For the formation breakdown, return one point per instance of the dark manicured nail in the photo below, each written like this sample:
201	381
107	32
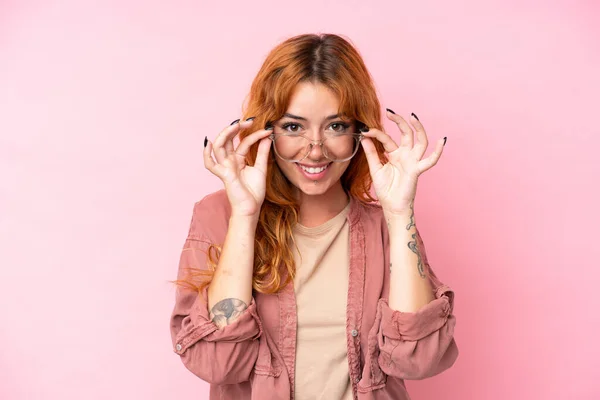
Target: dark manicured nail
363	128
445	140
250	119
235	122
205	141
415	115
269	126
390	110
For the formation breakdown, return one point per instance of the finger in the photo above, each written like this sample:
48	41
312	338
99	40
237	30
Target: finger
262	156
388	143
433	158
406	132
371	154
422	141
228	140
229	143
209	163
248	141
222	148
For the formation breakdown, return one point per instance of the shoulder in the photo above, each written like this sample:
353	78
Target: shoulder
210	217
371	217
371	212
372	209
215	202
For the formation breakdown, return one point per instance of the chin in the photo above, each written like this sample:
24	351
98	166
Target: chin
310	189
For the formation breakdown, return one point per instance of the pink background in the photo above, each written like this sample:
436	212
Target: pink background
103	109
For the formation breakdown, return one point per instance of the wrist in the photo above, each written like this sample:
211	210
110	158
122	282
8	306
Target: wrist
399	223
400	213
244	219
398	216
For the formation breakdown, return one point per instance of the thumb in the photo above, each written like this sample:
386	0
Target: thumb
371	154
262	155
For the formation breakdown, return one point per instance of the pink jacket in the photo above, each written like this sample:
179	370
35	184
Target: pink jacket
254	357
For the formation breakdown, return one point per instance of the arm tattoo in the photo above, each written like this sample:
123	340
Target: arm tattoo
415	249
413	244
412	216
226	311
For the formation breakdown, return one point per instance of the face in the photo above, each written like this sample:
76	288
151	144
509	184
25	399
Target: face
313	103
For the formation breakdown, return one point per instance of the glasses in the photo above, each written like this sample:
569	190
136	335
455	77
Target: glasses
340	141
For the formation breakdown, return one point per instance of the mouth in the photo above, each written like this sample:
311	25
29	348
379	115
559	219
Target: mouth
313	172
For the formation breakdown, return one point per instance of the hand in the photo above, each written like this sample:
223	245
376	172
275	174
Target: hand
245	185
395	182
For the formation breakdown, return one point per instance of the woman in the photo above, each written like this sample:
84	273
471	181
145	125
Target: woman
293	281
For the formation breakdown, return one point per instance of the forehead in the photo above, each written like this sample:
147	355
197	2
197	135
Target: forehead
313	100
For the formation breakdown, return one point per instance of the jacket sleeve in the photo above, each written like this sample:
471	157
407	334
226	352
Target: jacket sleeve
218	356
421	344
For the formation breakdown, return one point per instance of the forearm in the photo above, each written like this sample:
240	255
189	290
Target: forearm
230	290
410	288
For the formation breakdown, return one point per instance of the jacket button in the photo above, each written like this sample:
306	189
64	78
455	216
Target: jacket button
354	333
178	347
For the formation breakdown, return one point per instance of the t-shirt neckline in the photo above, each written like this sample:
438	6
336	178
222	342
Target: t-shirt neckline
315	230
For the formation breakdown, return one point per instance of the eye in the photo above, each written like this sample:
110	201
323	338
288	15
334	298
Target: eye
339	127
294	127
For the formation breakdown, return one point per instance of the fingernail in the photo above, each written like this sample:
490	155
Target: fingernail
235	122
363	128
205	141
415	115
445	137
269	126
250	119
390	110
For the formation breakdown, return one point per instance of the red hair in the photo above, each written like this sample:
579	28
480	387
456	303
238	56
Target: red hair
327	59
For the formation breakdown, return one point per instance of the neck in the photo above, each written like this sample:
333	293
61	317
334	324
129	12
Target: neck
316	210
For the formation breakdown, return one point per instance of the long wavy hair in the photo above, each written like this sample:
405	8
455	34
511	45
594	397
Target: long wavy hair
334	62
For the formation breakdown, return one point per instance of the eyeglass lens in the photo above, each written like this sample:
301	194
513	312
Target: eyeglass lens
295	146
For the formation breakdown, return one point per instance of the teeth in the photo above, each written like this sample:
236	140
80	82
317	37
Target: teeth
314	170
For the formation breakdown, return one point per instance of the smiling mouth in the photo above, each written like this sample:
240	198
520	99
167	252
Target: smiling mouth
314	170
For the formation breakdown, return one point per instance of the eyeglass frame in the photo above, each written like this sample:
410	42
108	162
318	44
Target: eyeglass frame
360	136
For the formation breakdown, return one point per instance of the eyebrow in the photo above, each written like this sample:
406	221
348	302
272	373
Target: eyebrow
304	119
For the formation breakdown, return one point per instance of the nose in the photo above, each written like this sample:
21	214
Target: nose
316	151
316	135
316	147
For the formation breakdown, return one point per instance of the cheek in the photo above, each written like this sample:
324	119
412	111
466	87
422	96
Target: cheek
340	168
285	167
